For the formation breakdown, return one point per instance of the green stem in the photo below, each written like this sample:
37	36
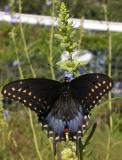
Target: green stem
21	74
108	147
109	74
21	156
34	135
16	51
29	112
80	150
51	44
109	60
51	54
16	146
24	41
26	50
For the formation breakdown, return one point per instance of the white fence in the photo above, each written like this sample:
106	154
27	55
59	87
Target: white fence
94	25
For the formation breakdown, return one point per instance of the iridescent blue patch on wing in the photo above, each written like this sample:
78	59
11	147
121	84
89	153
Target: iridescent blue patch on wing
74	123
58	125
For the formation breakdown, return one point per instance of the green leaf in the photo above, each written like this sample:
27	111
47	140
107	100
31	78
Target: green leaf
69	65
112	99
90	135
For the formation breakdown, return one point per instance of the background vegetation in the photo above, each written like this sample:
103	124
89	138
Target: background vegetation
16	138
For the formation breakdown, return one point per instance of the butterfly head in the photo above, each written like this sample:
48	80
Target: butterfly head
66	79
66	88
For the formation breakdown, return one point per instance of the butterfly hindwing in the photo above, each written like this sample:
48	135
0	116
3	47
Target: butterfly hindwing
90	88
36	93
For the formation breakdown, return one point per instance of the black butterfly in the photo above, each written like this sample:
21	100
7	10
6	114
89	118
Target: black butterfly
62	108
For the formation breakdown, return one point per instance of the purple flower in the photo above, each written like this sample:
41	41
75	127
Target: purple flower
13	19
68	74
7	9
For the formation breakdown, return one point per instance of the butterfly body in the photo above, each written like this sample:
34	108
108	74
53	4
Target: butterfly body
62	108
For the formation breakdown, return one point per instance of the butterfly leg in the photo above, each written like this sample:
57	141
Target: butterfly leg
54	146
77	147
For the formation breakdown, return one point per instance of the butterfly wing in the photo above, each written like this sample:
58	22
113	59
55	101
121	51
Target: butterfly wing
61	110
36	93
89	89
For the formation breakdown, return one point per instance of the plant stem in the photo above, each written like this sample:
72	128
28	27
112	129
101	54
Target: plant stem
108	147
29	112
80	149
16	51
51	44
51	53
34	135
24	41
21	74
109	74
109	60
26	50
16	146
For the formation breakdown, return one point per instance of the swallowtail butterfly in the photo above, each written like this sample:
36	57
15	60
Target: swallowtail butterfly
62	108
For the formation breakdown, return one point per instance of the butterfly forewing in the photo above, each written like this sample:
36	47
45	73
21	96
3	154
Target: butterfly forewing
35	93
90	88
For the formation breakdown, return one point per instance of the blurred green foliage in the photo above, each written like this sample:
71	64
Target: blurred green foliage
90	9
38	47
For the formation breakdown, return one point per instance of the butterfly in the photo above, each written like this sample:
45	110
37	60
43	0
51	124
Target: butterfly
62	107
